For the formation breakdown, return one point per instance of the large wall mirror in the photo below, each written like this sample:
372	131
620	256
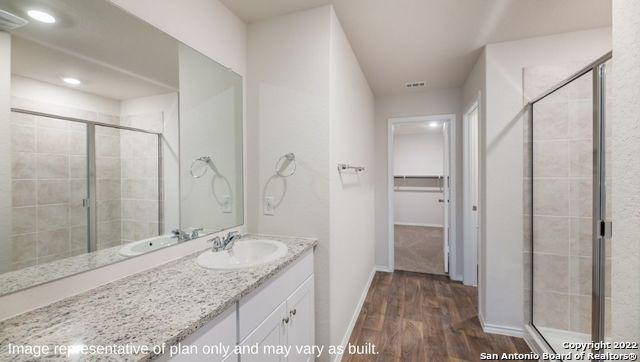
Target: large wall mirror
117	140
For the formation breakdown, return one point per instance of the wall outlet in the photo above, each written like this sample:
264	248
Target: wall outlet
269	205
226	204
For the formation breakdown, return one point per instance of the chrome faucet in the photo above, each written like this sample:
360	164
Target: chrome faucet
195	233
180	235
226	243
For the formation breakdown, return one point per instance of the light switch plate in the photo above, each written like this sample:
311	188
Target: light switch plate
226	204
269	205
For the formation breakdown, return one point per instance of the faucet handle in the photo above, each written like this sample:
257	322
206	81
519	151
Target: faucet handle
196	232
217	243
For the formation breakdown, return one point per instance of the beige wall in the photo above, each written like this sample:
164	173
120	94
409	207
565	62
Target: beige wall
626	171
413	104
501	133
351	196
288	111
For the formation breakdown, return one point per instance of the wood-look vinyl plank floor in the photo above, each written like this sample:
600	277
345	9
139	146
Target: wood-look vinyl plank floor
422	317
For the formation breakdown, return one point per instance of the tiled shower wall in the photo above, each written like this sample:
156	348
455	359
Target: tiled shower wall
140	183
49	182
562	209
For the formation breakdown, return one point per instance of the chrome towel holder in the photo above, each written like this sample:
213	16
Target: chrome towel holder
283	162
345	166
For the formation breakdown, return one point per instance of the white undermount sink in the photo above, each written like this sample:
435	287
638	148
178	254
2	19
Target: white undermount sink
244	254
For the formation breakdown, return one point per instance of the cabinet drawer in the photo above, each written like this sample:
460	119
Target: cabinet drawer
258	305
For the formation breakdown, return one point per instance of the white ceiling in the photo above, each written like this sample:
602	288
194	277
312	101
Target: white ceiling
437	41
114	54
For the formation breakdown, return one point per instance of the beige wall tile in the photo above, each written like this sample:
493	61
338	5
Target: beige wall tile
52	243
52	141
77	143
78	190
551	309
23	138
49	166
22	119
78	239
109	232
48	122
53	192
140	189
581	236
581	156
550	273
78	167
551	197
551	235
581	120
53	217
23	165
551	158
23	220
23	247
581	275
77	214
550	121
107	146
108	168
580	197
108	189
580	314
109	210
23	192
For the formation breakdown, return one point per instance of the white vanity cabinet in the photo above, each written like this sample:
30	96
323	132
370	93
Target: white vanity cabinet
279	313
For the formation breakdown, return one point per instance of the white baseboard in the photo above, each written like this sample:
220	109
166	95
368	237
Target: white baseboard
418	224
498	329
534	341
356	313
383	268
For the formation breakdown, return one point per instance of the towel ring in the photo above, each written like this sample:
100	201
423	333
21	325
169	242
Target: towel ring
205	159
284	162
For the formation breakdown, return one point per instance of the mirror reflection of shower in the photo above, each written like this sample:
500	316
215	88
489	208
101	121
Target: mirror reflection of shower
285	167
199	167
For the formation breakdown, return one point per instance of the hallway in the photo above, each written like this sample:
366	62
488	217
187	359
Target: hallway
420	317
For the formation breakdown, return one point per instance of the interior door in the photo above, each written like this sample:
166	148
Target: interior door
446	194
473	192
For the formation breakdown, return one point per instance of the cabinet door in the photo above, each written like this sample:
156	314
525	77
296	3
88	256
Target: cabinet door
301	328
271	332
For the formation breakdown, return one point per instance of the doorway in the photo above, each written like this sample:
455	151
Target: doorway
471	199
421	194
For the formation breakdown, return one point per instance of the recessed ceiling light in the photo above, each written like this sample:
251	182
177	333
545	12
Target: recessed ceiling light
41	16
434	124
72	81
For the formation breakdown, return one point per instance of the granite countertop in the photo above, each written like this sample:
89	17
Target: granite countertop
159	306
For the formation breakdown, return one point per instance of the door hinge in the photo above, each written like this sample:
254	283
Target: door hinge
605	229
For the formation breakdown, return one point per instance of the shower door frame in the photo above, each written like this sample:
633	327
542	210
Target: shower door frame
91	201
601	227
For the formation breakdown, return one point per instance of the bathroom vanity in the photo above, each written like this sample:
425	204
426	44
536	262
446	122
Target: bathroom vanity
182	304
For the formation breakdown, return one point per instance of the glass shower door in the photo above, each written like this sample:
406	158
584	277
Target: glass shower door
562	145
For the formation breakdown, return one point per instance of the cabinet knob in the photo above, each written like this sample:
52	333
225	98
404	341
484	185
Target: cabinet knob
293	312
285	320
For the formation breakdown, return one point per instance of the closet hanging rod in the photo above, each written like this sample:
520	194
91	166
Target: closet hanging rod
417	176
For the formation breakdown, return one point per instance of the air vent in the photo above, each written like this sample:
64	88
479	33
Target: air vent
9	21
415	84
